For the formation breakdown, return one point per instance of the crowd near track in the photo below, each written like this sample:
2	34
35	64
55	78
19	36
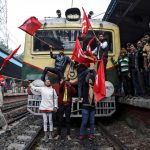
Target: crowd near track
26	131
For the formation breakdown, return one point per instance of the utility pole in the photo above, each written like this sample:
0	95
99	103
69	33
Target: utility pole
3	23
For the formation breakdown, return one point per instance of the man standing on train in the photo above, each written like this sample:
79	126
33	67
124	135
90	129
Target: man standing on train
101	49
61	61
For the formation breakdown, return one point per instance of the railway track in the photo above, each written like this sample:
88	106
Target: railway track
15	107
116	136
23	134
27	134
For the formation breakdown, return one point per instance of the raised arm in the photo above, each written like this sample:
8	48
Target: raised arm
51	53
37	89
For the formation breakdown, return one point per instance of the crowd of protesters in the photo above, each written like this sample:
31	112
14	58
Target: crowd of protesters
134	68
134	74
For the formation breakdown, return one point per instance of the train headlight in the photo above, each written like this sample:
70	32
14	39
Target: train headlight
73	14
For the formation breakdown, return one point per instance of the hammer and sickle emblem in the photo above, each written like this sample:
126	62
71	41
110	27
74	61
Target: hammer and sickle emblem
73	73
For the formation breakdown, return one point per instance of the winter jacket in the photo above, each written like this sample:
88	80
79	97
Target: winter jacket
61	61
86	103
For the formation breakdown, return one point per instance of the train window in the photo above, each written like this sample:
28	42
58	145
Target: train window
66	39
57	38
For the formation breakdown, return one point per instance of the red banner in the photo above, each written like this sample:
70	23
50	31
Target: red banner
78	54
89	50
31	25
85	23
99	85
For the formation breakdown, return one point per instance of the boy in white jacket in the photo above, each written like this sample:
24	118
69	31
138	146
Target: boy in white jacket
48	104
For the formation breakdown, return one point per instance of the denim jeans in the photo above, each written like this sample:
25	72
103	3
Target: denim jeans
87	114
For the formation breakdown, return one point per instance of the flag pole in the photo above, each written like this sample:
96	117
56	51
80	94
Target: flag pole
42	41
95	34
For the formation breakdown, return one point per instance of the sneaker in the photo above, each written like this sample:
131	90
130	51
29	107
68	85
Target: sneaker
90	136
68	138
81	137
57	137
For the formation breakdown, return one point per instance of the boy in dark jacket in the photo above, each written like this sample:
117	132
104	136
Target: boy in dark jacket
61	61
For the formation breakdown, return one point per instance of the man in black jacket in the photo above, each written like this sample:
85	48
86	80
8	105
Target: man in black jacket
88	109
61	61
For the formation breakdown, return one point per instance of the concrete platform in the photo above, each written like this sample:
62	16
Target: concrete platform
136	101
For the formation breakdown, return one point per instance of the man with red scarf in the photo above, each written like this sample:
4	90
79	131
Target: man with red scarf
66	91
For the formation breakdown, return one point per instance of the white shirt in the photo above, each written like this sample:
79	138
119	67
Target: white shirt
103	45
49	97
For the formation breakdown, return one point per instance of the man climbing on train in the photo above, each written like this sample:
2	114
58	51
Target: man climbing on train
61	61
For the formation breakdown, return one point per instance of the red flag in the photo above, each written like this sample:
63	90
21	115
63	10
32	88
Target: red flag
31	25
85	23
99	85
78	54
88	49
10	56
1	77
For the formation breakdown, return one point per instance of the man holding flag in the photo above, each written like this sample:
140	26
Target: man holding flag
101	49
88	109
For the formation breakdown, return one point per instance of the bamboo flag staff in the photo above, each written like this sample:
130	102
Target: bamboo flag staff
30	26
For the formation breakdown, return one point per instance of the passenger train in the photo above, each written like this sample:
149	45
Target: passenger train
62	32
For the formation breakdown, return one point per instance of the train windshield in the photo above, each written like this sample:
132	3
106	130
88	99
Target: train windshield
65	38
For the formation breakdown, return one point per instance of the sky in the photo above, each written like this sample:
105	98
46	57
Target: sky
20	10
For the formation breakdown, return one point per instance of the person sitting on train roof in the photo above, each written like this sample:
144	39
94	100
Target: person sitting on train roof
49	103
101	49
61	61
88	109
66	92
